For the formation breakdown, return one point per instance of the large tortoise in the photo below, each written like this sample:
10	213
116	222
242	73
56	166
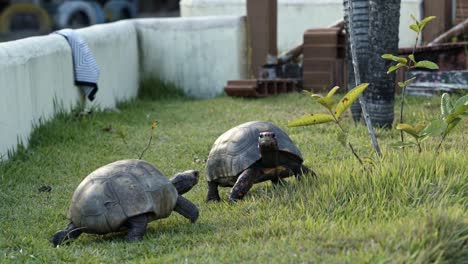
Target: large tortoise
127	194
249	153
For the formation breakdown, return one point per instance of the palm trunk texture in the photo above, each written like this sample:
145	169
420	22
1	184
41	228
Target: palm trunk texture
375	31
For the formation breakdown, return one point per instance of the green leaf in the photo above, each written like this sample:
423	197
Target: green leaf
414	27
349	98
414	19
445	105
405	83
461	101
400	144
456	112
333	91
411	57
453	124
408	129
307	93
426	64
311	119
436	128
423	22
327	102
342	137
395	67
394	58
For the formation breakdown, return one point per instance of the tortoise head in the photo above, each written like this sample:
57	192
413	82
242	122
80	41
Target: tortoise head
184	181
267	142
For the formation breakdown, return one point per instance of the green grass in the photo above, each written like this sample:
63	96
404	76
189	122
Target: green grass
411	208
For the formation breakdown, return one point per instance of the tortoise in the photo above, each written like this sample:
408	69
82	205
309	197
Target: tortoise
127	195
250	153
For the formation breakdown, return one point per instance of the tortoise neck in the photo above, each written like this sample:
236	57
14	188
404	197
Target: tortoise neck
269	157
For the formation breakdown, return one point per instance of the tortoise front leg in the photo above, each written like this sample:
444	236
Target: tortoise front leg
213	194
71	232
243	184
186	208
136	227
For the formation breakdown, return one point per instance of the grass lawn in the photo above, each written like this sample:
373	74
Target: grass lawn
410	208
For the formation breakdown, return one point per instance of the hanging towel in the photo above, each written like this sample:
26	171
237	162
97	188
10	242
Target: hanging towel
85	68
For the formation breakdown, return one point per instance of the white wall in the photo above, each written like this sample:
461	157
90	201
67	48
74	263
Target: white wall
295	16
198	55
36	71
115	47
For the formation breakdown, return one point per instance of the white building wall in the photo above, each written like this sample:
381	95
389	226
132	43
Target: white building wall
295	16
198	55
37	73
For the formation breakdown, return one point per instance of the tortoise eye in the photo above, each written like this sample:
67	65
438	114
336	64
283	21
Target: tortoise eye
273	135
260	136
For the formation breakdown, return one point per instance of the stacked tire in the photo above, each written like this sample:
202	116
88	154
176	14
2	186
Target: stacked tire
77	14
119	9
25	15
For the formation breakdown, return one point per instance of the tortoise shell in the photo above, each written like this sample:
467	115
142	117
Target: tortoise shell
237	149
107	197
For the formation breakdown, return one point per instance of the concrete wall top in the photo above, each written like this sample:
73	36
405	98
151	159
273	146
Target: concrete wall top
36	77
197	54
296	16
115	47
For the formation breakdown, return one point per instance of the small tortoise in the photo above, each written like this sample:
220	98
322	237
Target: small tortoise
250	153
127	195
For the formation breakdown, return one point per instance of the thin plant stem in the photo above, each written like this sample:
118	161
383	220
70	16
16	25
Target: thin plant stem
403	90
349	143
440	143
147	145
357	77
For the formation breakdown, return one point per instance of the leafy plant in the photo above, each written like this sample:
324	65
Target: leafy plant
451	115
122	134
417	132
333	115
409	63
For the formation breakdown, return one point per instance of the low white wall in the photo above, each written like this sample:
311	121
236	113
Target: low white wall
36	71
295	16
115	47
198	55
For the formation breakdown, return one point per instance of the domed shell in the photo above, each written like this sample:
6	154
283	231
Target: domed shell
107	197
237	149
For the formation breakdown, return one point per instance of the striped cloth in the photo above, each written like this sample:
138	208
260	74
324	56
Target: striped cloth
85	68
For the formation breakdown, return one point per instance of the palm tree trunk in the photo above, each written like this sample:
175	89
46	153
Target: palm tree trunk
360	20
383	38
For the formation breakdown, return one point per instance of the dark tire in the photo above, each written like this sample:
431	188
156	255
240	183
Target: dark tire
78	20
13	17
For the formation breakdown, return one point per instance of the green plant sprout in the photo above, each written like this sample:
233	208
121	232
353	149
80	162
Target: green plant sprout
329	102
121	133
451	115
410	63
417	132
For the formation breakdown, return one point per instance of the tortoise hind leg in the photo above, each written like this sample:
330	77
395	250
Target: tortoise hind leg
300	170
136	227
186	208
213	194
70	233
